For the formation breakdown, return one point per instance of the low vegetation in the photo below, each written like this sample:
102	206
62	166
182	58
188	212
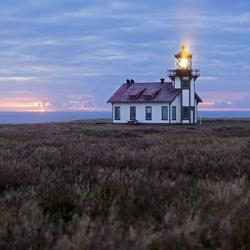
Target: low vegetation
93	185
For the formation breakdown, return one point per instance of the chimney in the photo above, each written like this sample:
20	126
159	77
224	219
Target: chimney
132	81
162	80
128	81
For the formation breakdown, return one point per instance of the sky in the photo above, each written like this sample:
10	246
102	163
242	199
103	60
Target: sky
71	55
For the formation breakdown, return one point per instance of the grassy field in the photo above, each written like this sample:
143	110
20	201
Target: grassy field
93	185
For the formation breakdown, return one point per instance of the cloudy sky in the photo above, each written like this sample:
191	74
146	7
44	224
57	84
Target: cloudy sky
73	54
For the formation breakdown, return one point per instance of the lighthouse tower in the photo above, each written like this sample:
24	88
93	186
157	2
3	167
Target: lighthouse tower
184	78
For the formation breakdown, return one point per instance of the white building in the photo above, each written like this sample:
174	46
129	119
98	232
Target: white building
161	102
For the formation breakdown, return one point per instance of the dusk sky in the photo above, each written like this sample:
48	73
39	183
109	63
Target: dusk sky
71	55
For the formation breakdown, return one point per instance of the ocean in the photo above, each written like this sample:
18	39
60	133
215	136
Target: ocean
39	117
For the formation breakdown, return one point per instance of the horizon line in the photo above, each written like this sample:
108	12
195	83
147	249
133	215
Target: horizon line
110	111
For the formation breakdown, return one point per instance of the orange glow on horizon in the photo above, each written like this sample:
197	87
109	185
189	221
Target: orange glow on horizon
35	105
25	105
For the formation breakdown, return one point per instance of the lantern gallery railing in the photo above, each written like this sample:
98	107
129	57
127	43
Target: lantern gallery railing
184	72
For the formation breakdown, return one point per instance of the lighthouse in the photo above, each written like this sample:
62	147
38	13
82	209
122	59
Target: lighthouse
184	78
160	102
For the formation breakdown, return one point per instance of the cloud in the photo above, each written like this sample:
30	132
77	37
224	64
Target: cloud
16	78
233	103
65	48
207	78
25	104
80	103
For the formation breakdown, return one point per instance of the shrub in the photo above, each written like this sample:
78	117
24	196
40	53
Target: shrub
86	186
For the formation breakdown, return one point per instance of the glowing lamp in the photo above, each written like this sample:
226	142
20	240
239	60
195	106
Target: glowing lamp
184	63
183	60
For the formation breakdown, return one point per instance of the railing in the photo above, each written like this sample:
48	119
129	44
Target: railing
184	72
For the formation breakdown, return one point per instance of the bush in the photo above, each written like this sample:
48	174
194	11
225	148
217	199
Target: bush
85	186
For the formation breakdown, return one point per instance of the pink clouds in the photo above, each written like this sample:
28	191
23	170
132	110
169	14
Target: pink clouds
226	101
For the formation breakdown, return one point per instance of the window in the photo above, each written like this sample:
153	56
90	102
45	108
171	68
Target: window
174	113
117	113
164	113
132	113
185	84
185	113
148	113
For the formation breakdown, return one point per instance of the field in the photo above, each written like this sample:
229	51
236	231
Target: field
93	185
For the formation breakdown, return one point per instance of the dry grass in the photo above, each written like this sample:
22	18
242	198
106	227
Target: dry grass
88	185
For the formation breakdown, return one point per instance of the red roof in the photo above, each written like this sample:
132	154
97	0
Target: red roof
145	92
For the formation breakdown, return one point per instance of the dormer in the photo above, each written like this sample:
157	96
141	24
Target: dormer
135	92
151	93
